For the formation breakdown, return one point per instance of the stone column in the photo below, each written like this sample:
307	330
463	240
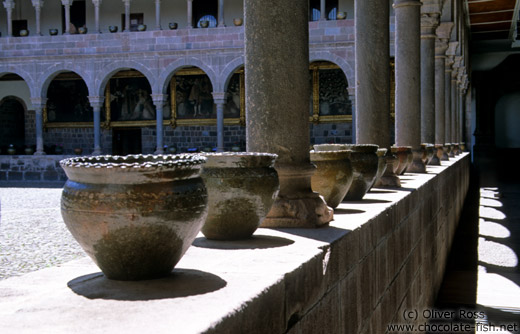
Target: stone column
96	102
407	79
323	10
220	101
157	14
373	80
454	104
67	4
38	105
221	22
282	47
158	101
96	3
429	22
447	104
38	4
441	45
9	6
189	18
127	15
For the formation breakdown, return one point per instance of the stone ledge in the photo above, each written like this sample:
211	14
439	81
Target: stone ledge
378	257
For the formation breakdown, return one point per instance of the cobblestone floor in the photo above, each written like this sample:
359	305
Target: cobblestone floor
32	233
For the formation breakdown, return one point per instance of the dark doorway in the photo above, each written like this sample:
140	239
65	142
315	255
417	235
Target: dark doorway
126	141
77	16
17	26
12	124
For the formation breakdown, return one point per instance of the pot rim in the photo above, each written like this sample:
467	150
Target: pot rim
330	147
329	155
133	161
363	148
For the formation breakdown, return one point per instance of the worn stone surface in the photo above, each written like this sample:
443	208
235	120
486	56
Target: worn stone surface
364	162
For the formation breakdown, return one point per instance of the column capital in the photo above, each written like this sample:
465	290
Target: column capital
219	97
441	45
37	3
452	48
38	102
127	2
443	31
429	23
97	2
9	4
66	2
96	101
158	99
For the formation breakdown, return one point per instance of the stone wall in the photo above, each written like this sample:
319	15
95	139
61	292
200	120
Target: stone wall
28	168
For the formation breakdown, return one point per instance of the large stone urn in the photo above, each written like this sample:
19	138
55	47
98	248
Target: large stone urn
333	175
404	156
364	162
242	187
381	165
135	215
428	153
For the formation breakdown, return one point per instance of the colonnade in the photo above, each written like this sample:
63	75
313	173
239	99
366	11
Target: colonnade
9	6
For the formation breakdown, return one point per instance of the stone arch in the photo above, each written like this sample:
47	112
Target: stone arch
341	62
108	71
49	75
29	80
169	71
228	72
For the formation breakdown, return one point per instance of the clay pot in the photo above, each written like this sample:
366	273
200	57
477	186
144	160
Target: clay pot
53	32
136	215
462	147
11	150
78	150
341	15
24	32
141	27
237	22
29	151
242	188
112	29
428	151
381	164
204	24
364	162
404	158
82	30
333	176
172	25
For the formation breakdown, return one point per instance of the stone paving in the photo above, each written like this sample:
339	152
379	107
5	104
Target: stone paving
32	233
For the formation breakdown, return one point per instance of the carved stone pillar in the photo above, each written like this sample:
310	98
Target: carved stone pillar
38	4
127	15
221	22
189	18
455	99
38	105
429	22
284	133
323	10
157	14
96	3
407	79
67	4
158	101
9	6
96	102
220	101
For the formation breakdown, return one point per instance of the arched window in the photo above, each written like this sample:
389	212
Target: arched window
204	10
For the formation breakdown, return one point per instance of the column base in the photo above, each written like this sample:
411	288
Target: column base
159	151
296	204
309	212
389	178
444	154
40	153
417	165
97	151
